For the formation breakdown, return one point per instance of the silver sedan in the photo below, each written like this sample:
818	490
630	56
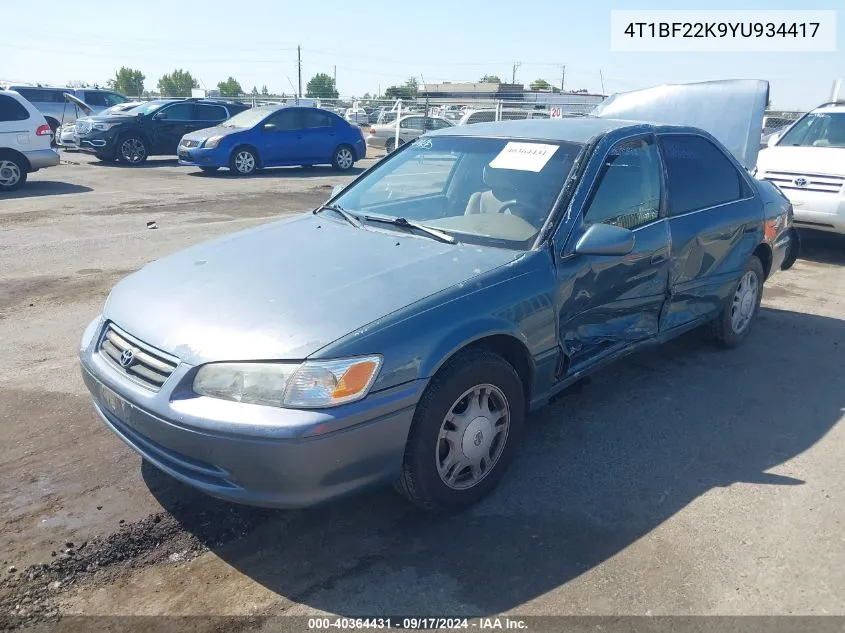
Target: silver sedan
410	127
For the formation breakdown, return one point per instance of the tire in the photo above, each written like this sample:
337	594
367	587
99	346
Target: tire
389	145
244	161
209	170
344	158
427	454
132	150
12	173
735	320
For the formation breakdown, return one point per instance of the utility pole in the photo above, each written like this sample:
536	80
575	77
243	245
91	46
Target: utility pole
562	76
513	75
299	69
334	79
602	81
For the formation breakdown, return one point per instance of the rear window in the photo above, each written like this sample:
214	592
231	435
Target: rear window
11	109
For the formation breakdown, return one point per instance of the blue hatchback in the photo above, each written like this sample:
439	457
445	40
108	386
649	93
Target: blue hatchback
274	136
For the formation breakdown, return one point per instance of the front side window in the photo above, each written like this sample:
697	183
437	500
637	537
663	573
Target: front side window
113	99
284	121
95	98
700	175
817	129
628	191
179	112
489	191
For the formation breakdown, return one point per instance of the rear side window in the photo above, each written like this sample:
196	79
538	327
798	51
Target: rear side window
315	118
11	109
42	95
699	174
178	112
207	112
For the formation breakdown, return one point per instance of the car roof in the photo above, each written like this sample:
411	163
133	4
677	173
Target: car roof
576	129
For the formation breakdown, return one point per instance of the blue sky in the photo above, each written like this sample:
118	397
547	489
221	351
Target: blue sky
435	40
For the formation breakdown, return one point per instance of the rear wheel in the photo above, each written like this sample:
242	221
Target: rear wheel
132	150
734	322
12	173
343	159
244	162
465	432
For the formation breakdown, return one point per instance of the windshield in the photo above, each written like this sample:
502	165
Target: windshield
480	190
147	108
249	118
817	129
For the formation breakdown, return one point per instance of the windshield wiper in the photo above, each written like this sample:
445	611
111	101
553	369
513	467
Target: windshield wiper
342	213
405	223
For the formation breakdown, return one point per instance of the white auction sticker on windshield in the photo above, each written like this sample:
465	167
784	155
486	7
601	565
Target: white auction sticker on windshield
524	156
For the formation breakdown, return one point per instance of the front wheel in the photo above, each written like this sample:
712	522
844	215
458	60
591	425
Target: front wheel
734	322
243	162
133	150
465	432
12	173
343	159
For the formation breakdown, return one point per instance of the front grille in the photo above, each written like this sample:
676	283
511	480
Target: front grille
140	362
823	183
189	143
83	127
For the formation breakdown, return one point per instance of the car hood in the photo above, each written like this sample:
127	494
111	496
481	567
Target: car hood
731	110
803	160
287	289
201	135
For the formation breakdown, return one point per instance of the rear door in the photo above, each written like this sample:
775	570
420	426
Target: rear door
319	136
170	124
608	302
16	129
715	221
280	136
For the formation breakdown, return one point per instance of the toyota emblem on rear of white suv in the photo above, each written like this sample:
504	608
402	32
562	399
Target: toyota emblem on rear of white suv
127	357
800	181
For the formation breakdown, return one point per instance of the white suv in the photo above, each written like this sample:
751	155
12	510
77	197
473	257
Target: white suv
25	140
807	162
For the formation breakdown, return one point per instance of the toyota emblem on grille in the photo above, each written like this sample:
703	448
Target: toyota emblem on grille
800	181
127	357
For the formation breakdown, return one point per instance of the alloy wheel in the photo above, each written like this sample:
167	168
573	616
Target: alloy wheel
133	150
472	436
245	162
344	158
10	173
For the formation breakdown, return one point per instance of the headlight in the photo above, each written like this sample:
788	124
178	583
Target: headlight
313	384
212	142
102	127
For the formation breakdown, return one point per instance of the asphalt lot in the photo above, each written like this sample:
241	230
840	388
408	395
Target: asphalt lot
684	480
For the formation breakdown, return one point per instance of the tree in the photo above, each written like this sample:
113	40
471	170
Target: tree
264	90
128	81
321	86
408	90
540	84
230	88
177	84
490	79
254	92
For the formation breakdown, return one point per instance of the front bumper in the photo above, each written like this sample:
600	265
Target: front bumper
202	157
822	211
94	141
40	158
255	455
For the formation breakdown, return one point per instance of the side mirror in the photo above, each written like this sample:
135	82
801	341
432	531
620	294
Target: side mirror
774	138
335	190
606	239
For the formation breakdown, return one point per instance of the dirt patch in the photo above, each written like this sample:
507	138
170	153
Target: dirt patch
29	292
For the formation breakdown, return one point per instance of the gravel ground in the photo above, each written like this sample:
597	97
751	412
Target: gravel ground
684	480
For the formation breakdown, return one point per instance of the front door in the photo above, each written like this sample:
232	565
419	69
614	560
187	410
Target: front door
170	124
714	220
608	302
280	140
